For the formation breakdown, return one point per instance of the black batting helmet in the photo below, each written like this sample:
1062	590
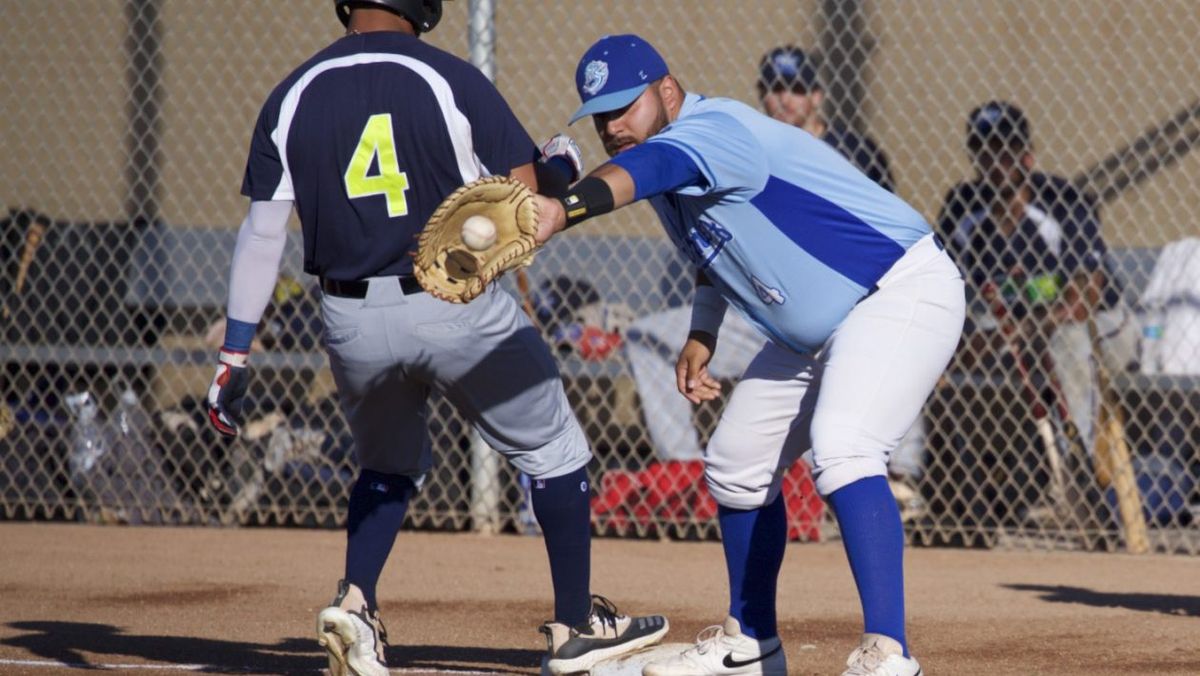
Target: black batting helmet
422	14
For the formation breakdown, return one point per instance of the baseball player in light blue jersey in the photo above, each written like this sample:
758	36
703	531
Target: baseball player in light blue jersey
862	308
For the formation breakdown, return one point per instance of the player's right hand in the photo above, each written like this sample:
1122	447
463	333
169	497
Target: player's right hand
691	370
552	218
227	393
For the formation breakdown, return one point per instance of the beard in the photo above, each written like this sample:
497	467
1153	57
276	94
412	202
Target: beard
617	144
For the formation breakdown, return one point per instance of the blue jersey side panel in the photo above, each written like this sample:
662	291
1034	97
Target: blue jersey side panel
789	230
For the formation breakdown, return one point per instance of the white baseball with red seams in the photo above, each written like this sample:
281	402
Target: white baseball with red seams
478	232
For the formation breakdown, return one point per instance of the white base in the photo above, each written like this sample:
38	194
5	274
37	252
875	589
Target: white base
631	664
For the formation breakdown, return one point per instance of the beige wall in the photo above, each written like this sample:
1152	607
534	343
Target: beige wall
63	92
1091	75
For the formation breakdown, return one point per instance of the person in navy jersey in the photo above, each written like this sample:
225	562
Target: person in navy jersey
1037	239
364	140
790	91
861	308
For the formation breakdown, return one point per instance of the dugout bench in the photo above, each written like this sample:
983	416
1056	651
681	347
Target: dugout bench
174	284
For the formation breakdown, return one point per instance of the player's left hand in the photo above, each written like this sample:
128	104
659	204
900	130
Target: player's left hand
227	393
691	370
564	151
551	218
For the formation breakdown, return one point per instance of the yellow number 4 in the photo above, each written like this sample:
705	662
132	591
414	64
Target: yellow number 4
377	143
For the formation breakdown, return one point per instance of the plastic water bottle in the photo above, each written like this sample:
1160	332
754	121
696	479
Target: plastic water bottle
87	438
1151	343
131	417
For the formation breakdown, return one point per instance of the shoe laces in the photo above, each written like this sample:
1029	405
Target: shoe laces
380	630
605	612
864	661
708	638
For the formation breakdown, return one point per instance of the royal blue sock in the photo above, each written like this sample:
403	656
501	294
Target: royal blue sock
563	509
874	539
754	541
377	505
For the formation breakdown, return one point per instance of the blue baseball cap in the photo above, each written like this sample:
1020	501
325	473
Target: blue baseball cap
788	66
615	71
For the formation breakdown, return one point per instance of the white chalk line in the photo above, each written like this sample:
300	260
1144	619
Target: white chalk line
59	664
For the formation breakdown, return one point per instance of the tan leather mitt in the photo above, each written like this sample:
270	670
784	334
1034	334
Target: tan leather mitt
450	269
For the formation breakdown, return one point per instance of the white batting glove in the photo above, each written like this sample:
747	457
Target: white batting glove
564	150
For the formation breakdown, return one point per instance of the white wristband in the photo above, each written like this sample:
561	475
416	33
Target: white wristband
232	358
708	309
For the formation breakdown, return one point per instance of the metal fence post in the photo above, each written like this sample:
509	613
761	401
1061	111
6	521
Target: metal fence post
485	464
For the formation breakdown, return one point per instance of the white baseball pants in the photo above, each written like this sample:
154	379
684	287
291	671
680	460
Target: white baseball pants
851	402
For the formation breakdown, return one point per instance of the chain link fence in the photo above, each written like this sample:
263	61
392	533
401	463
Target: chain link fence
125	134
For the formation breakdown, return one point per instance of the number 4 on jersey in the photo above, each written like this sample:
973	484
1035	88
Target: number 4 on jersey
378	147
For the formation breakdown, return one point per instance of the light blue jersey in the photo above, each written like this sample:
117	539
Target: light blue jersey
789	231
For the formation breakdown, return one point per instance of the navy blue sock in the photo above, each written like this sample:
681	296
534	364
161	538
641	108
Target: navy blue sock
754	541
377	505
563	509
874	539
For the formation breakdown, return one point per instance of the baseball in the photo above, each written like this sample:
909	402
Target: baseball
478	233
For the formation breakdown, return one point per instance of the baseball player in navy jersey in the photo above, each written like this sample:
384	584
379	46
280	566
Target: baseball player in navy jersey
364	140
861	306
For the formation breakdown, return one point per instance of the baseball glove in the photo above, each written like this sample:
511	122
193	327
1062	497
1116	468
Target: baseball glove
447	268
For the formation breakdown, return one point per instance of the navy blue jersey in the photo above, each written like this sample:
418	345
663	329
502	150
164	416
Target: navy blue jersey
863	152
368	137
1059	236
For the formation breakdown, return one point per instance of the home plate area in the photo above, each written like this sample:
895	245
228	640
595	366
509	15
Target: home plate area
631	664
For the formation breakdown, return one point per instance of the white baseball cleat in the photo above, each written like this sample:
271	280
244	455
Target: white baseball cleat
352	635
724	651
879	655
604	635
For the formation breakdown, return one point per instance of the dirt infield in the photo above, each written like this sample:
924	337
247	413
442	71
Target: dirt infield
242	601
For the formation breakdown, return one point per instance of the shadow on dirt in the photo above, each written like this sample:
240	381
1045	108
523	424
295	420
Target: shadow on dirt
83	645
1167	604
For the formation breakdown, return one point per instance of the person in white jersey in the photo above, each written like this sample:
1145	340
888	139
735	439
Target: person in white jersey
861	307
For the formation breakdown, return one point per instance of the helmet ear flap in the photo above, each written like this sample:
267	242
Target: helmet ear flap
342	7
431	14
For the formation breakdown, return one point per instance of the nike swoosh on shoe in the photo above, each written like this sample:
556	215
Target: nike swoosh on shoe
730	663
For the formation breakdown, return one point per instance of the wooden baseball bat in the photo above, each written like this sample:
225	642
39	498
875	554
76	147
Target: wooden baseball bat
1037	406
1083	469
1114	463
33	239
524	288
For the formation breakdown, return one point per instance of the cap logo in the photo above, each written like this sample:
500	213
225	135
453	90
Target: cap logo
595	76
990	114
786	63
